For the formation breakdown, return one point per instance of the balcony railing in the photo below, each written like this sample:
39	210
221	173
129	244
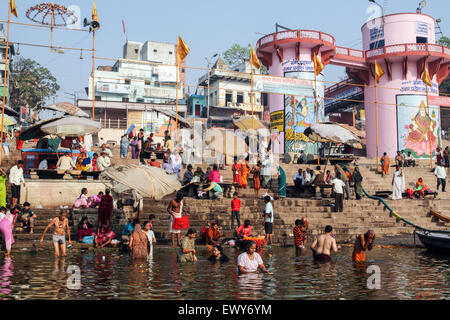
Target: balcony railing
408	48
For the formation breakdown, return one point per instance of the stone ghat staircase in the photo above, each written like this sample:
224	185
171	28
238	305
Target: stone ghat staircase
358	216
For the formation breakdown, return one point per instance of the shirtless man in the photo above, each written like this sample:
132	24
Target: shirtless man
363	242
175	212
322	245
61	223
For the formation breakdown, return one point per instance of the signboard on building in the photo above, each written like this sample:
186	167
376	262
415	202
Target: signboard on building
119	88
166	73
376	33
297	65
422	28
277	120
289	86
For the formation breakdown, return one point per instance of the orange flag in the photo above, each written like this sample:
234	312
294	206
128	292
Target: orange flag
94	13
182	49
254	59
318	65
426	77
378	72
12	6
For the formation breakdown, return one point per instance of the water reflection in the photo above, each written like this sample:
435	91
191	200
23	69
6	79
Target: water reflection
405	274
6	272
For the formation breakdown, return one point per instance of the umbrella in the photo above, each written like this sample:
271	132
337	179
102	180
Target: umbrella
226	142
142	180
332	132
72	127
9	121
245	123
35	132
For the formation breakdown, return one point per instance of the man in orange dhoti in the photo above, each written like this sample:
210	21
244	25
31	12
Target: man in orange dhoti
363	242
385	163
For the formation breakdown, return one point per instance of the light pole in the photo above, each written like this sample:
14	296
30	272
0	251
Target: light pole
207	97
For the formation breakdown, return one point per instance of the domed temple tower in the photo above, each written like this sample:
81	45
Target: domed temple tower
403	45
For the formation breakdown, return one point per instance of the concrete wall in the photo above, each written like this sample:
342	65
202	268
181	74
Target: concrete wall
54	193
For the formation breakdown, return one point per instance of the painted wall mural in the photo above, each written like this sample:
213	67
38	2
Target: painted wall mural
417	125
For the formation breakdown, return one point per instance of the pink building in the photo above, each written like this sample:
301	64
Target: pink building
403	45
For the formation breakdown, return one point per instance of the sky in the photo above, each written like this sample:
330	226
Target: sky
208	27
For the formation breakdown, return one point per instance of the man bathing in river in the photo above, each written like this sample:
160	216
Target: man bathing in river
61	223
363	242
176	209
323	244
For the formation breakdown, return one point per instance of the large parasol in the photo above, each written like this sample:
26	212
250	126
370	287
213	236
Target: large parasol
245	123
72	127
142	181
226	142
334	133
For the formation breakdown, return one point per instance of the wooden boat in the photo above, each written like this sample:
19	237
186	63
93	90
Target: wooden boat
440	216
438	241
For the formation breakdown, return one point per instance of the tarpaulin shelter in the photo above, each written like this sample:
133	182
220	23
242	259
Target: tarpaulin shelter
142	181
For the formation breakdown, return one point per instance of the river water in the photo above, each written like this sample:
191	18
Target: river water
405	274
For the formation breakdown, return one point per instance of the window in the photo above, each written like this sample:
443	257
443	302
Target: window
170	52
240	97
138	100
377	44
136	50
98	98
125	99
127	81
154	50
421	40
147	82
182	70
228	97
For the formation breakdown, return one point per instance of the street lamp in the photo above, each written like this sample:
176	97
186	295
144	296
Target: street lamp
207	97
422	4
381	7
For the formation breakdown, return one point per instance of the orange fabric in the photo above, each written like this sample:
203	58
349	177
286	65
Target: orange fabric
245	172
386	164
359	256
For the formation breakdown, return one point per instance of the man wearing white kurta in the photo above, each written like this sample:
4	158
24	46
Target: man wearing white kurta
398	184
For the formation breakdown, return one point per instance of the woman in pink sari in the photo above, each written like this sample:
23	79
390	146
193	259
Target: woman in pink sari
6	227
103	237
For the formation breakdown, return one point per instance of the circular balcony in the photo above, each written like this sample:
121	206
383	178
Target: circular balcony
296	36
408	49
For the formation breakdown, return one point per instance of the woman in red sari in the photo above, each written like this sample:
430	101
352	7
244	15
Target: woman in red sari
237	167
105	209
245	172
256	178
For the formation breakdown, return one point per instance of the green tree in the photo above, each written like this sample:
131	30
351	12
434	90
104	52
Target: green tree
30	84
236	55
445	85
444	41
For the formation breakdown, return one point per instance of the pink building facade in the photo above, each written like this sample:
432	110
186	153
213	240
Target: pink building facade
402	44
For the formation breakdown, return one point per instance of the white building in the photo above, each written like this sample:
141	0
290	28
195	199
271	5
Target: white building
230	92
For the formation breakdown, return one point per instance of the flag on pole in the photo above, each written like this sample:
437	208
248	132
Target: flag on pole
123	25
426	77
254	59
182	49
12	5
94	13
318	65
378	72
